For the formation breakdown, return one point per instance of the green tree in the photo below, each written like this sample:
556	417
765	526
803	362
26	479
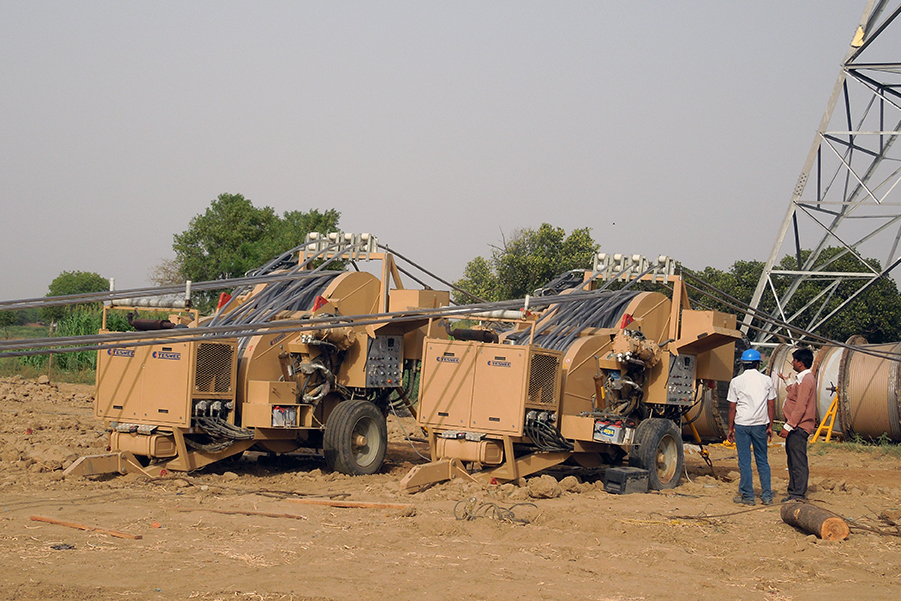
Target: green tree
530	259
232	237
73	282
875	314
478	279
739	282
291	229
7	319
27	316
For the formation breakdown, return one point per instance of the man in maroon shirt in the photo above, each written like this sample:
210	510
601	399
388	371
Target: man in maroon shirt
800	422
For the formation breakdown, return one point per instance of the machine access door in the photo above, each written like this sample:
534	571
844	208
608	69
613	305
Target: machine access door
501	372
448	370
145	385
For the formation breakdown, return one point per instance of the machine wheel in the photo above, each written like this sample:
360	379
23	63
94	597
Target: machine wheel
356	438
657	447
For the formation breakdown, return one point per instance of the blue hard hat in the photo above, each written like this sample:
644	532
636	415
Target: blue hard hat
750	356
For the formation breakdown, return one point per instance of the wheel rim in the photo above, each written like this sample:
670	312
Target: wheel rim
666	460
364	441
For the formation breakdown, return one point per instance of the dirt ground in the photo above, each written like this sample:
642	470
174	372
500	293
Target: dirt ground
578	542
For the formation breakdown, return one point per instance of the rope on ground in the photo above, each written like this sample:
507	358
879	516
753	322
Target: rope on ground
473	508
711	517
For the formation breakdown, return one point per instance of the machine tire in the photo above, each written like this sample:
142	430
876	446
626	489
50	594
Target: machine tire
657	447
356	438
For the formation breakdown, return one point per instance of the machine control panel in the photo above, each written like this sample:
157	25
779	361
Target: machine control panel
384	362
680	389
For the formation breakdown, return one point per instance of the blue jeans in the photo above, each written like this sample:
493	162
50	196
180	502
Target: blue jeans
745	438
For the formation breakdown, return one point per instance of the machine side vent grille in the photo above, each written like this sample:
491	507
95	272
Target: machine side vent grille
214	362
543	380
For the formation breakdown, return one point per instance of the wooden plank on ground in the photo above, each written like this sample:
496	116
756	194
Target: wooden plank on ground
352	504
39	518
266	514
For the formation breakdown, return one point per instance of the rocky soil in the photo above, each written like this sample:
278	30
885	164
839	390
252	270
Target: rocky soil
246	530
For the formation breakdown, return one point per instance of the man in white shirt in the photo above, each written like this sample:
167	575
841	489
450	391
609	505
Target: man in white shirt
752	406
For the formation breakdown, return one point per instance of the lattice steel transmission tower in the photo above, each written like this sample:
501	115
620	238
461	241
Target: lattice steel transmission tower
847	203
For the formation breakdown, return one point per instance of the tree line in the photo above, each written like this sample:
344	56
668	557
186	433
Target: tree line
233	237
531	258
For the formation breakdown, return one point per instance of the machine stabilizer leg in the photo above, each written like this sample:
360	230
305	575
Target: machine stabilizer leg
122	462
432	473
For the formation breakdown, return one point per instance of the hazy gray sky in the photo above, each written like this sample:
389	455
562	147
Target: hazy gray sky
673	127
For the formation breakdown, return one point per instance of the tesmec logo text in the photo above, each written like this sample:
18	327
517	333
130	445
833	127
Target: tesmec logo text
166	355
120	352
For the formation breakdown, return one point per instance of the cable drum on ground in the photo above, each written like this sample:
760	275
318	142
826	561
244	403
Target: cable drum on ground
868	394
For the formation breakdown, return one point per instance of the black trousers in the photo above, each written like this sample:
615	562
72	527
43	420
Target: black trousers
796	454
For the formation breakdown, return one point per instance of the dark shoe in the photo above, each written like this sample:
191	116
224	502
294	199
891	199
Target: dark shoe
791	499
768	501
742	501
